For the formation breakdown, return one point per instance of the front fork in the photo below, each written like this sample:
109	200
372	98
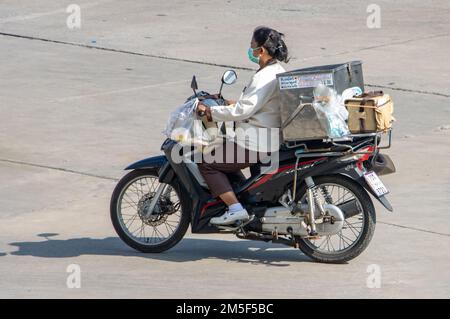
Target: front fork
159	190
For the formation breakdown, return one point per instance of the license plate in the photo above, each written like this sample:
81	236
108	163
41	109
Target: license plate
376	184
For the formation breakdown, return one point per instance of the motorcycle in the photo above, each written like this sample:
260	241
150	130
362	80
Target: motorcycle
317	199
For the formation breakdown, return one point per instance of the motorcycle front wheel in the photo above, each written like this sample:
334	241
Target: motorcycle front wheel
129	206
357	231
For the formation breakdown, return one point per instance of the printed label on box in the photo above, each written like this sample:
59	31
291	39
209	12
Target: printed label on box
305	81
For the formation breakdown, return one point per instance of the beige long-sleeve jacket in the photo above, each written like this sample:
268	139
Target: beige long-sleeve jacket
256	113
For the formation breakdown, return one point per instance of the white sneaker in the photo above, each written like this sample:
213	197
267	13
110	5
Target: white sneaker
230	218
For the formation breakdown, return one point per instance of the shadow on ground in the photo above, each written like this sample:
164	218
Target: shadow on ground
189	249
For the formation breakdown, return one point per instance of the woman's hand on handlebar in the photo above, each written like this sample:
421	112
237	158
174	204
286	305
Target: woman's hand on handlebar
216	97
201	109
211	96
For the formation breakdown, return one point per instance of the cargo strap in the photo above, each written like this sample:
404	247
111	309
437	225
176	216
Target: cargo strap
362	119
371	94
362	124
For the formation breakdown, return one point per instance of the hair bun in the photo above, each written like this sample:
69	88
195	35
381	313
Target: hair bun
272	41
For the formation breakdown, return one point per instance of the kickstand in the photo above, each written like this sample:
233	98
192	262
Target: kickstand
294	242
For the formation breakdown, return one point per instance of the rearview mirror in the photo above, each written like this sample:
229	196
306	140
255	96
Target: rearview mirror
194	85
229	77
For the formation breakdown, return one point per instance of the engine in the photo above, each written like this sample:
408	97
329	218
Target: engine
280	219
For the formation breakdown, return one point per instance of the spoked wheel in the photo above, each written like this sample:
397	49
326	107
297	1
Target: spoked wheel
358	227
130	203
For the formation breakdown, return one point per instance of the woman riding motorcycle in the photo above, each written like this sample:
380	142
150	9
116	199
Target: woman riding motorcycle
257	117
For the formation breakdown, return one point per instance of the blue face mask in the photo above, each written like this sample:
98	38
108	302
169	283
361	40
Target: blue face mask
251	56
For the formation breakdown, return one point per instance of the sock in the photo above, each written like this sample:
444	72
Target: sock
235	207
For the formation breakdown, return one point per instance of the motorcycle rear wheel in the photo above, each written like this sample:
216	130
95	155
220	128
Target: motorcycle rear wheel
365	220
127	209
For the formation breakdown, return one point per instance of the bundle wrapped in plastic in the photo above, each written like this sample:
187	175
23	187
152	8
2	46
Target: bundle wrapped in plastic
186	128
331	112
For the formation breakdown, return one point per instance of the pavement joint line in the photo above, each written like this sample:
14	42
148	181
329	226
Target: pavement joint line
382	45
123	51
433	36
116	179
66	170
407	90
76	97
230	66
414	228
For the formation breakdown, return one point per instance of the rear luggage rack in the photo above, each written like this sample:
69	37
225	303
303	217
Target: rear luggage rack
341	142
369	139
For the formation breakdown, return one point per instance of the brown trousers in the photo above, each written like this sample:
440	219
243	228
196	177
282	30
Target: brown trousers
225	165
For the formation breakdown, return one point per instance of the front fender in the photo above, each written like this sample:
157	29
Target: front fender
150	162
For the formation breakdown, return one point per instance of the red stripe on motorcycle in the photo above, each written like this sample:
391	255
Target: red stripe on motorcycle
281	169
207	205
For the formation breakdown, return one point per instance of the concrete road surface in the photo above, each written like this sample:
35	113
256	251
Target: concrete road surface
78	105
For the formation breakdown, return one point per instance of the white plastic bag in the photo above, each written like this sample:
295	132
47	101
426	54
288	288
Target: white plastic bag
330	111
186	128
180	121
350	93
